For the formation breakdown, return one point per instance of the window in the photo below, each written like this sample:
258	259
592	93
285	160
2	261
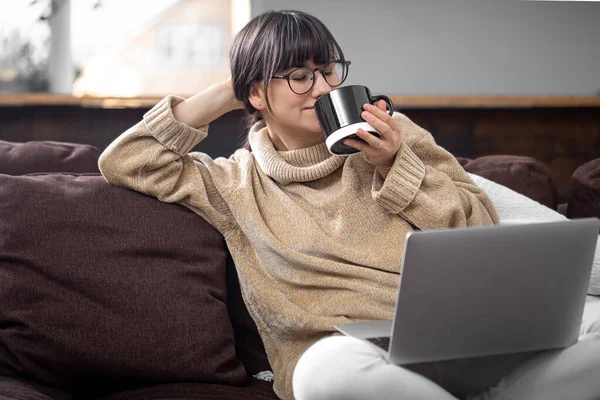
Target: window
120	48
195	44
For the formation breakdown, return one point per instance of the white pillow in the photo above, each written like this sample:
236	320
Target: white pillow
514	208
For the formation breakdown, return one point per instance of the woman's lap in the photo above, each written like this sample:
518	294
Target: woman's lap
341	367
346	368
572	373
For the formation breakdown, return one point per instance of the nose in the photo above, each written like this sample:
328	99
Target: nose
321	86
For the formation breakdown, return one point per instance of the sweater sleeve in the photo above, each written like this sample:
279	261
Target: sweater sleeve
428	187
152	158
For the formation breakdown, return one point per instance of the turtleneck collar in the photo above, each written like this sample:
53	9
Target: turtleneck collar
302	165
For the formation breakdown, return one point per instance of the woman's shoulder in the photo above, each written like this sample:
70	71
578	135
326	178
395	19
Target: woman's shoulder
230	169
242	155
239	159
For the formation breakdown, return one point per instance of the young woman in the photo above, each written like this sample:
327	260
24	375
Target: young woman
317	239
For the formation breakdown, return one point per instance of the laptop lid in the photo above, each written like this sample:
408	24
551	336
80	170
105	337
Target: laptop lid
468	292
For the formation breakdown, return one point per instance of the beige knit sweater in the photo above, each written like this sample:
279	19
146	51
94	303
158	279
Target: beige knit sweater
317	239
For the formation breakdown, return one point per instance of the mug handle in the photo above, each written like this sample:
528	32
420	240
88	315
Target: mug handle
387	100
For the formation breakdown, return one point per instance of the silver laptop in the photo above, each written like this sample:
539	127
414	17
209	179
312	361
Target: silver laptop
469	292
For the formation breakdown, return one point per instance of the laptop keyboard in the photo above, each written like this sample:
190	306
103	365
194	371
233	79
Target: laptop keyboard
383	341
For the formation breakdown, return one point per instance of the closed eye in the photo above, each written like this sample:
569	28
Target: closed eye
301	78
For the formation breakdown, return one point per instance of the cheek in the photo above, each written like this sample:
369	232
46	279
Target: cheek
289	105
285	102
293	101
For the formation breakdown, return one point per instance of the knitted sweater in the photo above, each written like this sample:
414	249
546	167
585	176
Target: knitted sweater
317	239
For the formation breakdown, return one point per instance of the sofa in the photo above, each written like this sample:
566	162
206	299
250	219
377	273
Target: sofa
106	293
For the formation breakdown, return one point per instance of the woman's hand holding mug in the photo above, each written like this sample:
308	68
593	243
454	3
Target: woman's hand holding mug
380	151
353	120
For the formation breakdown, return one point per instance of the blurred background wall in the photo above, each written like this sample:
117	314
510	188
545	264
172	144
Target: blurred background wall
399	47
435	47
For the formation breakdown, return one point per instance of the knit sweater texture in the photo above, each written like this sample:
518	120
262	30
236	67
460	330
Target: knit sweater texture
317	239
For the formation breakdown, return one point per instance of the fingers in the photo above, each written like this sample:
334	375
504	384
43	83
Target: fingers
379	120
370	139
380	112
380	151
357	144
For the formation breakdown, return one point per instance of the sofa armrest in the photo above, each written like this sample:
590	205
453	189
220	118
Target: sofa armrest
585	195
524	175
47	156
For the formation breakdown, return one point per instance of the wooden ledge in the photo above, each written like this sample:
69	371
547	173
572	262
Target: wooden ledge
495	101
46	99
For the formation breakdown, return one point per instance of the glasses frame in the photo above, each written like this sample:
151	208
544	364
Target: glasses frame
314	72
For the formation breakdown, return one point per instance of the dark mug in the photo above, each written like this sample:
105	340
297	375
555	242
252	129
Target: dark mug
339	116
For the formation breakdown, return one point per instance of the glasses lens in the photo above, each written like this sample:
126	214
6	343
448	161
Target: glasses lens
335	73
301	80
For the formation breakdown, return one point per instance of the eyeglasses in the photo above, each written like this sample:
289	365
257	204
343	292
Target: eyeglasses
302	80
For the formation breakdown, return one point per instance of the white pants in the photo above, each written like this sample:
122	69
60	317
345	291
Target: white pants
340	367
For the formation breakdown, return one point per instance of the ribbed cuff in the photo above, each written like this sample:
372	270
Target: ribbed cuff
174	135
400	186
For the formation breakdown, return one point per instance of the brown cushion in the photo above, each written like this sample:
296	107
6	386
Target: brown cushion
14	388
256	390
522	174
32	157
463	160
562	208
585	184
104	289
11	388
248	343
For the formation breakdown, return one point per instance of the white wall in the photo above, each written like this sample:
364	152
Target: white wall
446	47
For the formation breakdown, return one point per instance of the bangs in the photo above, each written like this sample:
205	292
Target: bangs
300	41
281	40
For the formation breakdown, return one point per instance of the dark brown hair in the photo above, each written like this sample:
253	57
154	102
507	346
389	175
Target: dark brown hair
273	42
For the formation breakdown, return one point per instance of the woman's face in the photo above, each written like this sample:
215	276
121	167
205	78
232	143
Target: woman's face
293	123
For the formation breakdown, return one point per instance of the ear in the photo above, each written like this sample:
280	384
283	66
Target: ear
257	97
